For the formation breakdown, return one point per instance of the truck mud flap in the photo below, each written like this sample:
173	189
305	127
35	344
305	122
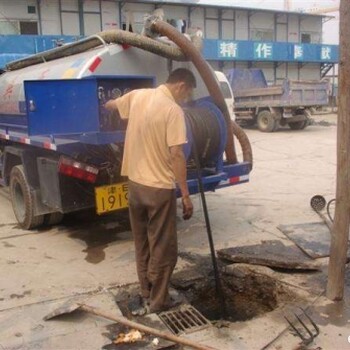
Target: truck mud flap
63	193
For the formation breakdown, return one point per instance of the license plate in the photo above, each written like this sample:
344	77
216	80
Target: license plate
111	197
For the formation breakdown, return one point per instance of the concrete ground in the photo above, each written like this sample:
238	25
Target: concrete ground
87	256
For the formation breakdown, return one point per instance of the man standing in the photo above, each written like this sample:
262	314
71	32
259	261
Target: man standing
153	160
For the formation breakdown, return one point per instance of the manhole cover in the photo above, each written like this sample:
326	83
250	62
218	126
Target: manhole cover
185	319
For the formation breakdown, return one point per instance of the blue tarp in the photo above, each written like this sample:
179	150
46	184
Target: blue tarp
242	79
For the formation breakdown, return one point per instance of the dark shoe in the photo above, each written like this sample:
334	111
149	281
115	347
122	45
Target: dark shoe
138	306
173	303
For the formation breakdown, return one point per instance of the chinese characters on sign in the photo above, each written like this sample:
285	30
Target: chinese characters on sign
298	52
228	49
240	50
263	50
326	53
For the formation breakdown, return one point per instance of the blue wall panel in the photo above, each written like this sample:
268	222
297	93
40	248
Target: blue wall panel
14	47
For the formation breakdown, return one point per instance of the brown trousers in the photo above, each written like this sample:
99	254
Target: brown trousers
153	224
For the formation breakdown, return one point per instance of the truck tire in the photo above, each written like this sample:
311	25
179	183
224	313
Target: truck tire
266	121
299	125
53	218
22	200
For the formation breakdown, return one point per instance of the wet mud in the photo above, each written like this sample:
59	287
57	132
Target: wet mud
98	233
239	305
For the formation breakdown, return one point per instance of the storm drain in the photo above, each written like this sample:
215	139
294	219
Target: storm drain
185	319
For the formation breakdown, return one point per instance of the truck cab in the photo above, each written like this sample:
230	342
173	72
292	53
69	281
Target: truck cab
227	92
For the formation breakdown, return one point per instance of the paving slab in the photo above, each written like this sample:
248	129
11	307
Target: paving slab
313	238
272	253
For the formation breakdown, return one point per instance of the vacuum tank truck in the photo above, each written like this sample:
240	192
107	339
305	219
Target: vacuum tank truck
61	150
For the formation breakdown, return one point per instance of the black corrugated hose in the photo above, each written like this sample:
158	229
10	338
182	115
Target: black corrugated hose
204	132
206	135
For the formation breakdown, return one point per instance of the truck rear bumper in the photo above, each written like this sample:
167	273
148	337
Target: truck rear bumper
231	175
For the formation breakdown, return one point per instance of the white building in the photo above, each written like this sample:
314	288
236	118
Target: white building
283	44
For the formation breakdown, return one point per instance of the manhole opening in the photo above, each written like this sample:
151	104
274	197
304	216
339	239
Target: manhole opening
243	300
248	294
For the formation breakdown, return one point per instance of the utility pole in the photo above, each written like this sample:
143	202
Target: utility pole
339	240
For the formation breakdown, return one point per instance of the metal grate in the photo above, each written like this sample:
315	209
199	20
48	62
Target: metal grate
185	319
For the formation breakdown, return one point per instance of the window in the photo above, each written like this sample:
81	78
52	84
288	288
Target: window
31	9
9	27
28	27
310	37
18	27
305	38
262	34
225	89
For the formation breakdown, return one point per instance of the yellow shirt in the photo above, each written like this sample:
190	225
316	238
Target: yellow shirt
156	122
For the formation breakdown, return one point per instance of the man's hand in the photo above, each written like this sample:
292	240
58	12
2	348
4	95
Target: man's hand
178	162
187	208
110	105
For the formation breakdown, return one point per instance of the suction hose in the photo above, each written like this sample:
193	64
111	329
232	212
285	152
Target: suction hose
115	36
206	73
244	142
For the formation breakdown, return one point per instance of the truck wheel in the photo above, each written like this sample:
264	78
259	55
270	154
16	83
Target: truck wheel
299	125
22	200
53	218
266	121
